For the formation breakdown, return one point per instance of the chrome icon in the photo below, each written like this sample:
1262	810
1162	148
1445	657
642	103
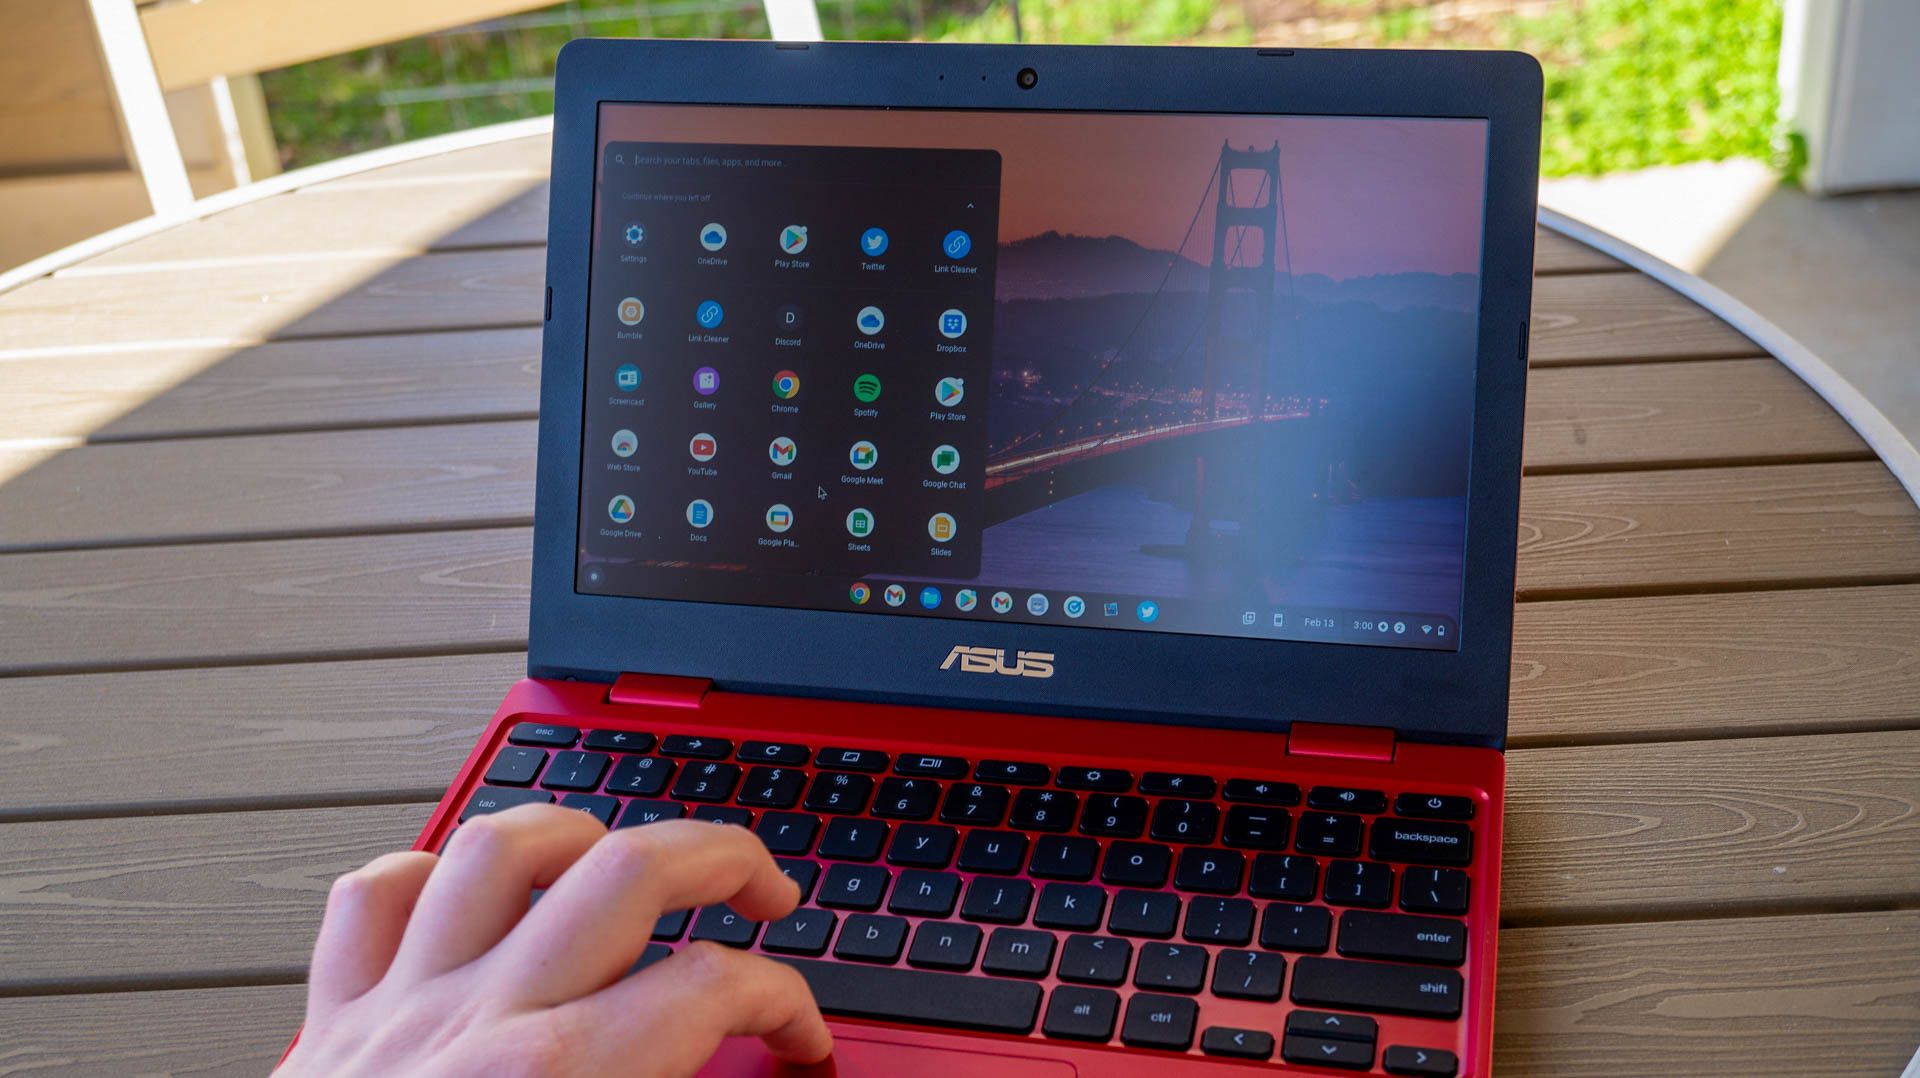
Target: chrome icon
786	385
860	593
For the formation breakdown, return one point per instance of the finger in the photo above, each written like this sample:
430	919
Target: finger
367	912
596	919
678	1010
485	878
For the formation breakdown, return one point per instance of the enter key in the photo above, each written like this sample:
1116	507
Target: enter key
1433	940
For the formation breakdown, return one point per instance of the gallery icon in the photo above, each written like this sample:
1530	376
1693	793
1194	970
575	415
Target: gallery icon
950	391
860	593
706	381
625	442
786	385
636	234
632	311
627	378
860	523
782	451
930	597
866	388
1036	604
940	527
779	518
1002	602
966	599
870	320
699	512
709	314
895	594
1073	606
793	239
702	447
620	509
1148	611
873	242
946	460
953	322
864	455
957	245
713	236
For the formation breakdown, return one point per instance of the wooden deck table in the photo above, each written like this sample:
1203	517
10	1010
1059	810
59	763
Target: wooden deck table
266	481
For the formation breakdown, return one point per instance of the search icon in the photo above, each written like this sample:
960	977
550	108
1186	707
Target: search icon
619	159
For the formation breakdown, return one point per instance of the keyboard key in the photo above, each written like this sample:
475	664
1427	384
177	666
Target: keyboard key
706	782
581	771
1115	815
1018	952
906	799
1248	975
542	733
837	791
925	894
1184	821
1043	810
500	798
851	759
1059	857
640	776
1285	877
653	952
1296	928
1328	834
1237	1043
1094	778
1433	807
1393	840
640	811
1171	967
1016	774
1261	792
1435	940
853	840
1095	960
1346	799
1422	1062
1322	1052
922	845
671	926
618	741
800	872
1070	906
772	752
1434	890
944	945
976	804
1136	864
599	806
696	746
853	887
999	901
1144	913
1377	986
1252	827
1168	784
721	925
1339	1027
932	767
871	937
804	931
1219	920
1213	871
1359	883
727	814
1081	1014
921	996
1155	1021
772	787
515	767
1002	853
787	832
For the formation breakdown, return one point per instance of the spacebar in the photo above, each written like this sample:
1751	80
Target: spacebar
934	999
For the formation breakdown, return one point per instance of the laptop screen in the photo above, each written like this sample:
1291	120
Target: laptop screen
1185	373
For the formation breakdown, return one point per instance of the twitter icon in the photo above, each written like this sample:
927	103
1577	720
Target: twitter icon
873	242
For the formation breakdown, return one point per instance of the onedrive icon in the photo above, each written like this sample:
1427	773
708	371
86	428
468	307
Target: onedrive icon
870	320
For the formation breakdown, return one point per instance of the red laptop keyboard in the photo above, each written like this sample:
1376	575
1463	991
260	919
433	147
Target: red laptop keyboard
1245	918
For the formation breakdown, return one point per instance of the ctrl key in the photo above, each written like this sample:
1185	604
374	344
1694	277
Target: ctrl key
1238	1043
1159	1022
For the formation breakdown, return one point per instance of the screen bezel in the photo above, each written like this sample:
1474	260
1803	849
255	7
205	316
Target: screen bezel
1455	697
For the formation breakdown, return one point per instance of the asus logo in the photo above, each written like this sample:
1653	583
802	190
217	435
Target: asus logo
994	661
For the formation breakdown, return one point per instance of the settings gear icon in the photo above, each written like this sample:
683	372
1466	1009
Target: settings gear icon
636	235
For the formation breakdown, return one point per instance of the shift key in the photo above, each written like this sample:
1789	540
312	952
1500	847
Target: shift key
1379	987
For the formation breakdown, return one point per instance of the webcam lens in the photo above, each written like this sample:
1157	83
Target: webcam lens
1027	79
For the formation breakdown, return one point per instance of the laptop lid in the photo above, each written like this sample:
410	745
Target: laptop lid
1181	385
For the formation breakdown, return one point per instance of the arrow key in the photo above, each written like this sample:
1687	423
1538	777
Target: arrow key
619	741
1352	1055
1423	1062
1339	1027
1238	1043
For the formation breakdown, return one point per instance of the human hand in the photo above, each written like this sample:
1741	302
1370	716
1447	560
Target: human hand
435	965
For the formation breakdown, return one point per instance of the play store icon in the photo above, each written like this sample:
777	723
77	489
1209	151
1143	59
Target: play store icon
793	239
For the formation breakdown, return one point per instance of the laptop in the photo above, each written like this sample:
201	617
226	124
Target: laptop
1063	500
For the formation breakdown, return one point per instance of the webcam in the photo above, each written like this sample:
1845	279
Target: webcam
1027	79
